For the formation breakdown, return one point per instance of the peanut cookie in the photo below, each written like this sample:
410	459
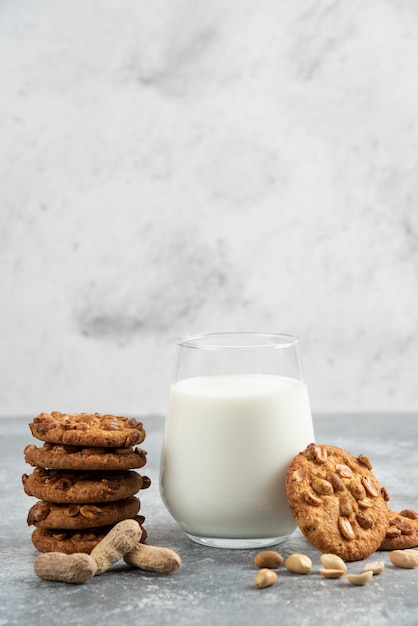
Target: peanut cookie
70	541
60	456
72	487
402	532
85	429
52	515
337	501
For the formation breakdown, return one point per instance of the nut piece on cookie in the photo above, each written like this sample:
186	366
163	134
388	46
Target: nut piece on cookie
337	501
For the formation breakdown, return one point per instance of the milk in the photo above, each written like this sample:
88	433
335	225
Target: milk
227	445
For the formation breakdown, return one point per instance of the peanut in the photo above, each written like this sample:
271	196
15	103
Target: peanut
414	553
404	558
331	573
322	487
298	563
332	561
122	538
376	567
369	487
269	559
344	470
311	498
298	475
409	513
360	579
265	578
153	559
75	568
411	551
345	528
364	460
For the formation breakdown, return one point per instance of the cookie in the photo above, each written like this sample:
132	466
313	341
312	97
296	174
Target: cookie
70	541
86	429
337	501
52	515
72	487
402	531
60	456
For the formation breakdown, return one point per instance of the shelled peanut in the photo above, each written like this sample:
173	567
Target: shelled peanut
333	566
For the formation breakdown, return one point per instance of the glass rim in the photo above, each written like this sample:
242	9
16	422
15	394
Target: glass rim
251	340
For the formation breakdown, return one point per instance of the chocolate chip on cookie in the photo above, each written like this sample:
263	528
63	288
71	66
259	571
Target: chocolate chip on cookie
337	501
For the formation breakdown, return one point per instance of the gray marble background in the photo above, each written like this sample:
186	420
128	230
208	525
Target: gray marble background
181	166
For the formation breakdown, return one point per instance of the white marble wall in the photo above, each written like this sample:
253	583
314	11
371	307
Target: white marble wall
179	166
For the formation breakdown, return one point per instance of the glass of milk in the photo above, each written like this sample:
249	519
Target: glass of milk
238	413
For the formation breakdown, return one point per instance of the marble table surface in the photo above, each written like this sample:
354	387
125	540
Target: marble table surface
214	586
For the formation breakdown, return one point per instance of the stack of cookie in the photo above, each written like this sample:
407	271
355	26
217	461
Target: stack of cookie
84	478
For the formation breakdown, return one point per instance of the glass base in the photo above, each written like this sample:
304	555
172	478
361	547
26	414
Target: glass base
238	544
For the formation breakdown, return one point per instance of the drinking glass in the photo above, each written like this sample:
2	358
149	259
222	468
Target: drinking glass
238	413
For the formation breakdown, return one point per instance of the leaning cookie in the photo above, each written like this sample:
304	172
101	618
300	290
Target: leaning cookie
70	541
402	532
72	487
60	456
52	515
88	429
337	501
